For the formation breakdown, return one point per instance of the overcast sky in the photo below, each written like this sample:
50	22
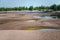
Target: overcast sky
17	3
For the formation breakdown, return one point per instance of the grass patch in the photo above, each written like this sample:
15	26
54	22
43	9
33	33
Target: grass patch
38	27
33	27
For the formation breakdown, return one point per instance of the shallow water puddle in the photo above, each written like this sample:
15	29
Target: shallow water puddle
49	28
30	21
42	17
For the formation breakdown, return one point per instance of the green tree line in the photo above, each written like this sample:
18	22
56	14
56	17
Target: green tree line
53	7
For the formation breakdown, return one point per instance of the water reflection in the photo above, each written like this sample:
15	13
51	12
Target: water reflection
31	21
46	17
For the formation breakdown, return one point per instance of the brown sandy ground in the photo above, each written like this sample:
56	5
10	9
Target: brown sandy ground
29	34
19	21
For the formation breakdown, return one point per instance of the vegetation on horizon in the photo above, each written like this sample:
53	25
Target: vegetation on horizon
53	7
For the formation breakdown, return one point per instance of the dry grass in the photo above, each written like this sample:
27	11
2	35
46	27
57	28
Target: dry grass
37	27
33	27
